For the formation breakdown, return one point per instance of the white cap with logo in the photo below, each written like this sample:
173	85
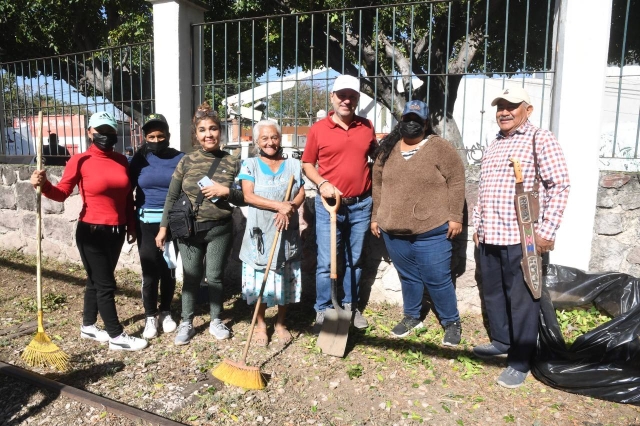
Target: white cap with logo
515	95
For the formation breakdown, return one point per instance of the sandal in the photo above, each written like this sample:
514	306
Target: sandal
260	337
284	336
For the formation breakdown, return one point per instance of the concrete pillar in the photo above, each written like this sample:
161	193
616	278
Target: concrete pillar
173	49
582	44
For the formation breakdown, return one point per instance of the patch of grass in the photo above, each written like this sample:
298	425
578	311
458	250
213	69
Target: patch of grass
50	302
509	418
413	358
354	371
469	367
576	322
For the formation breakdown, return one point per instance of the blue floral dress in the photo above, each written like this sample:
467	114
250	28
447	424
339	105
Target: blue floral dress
283	284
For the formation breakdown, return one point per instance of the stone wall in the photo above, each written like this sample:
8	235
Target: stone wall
18	219
615	235
617	224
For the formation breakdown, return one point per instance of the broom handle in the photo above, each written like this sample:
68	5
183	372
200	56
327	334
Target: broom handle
264	280
39	222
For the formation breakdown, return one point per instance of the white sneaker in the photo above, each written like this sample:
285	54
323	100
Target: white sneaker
124	342
93	332
150	328
168	324
218	330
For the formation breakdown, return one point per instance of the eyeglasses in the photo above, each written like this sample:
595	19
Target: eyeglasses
201	113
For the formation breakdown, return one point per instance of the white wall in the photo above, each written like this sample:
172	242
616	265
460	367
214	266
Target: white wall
172	49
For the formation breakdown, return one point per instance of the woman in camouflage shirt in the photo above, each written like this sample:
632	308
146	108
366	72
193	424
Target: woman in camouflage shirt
213	236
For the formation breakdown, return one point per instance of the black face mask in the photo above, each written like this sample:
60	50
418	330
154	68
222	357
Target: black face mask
157	147
411	129
105	142
276	155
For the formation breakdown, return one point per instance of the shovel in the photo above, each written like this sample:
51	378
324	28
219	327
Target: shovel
335	328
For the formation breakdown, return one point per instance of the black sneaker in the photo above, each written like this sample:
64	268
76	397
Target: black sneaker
405	326
452	332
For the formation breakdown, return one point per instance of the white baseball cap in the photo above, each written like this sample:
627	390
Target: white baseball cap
515	95
346	82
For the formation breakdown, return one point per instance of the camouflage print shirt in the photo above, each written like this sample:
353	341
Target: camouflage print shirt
193	167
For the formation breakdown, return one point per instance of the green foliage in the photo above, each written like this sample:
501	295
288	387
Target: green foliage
50	302
469	367
298	106
354	371
576	322
38	28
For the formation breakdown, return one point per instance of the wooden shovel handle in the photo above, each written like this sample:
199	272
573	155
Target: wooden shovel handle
333	213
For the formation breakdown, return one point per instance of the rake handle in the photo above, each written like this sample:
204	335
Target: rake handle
264	280
39	224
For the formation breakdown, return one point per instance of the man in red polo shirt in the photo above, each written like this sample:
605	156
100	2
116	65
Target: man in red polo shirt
340	145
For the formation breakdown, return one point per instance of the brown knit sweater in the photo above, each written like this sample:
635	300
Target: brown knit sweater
417	195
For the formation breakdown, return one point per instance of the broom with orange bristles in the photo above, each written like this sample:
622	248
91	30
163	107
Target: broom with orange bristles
239	373
42	351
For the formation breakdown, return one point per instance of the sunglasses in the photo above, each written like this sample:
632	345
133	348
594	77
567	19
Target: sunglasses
201	113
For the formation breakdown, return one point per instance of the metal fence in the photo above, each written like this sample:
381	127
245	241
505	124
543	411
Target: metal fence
455	55
68	89
619	147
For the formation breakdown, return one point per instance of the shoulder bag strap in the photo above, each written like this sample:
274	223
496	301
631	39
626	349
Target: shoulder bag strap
538	179
200	196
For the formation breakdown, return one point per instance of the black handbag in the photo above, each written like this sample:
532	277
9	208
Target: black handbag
182	218
182	215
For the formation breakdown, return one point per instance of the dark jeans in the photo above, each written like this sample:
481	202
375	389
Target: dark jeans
424	260
352	226
512	312
99	247
154	271
215	245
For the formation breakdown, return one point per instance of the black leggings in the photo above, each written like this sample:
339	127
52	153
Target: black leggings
99	247
154	271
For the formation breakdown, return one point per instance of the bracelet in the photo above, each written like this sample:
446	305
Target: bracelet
322	183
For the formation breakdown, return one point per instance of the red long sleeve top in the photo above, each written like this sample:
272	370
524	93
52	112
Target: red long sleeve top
103	183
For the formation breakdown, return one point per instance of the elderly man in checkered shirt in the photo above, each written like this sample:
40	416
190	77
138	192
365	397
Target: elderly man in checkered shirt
511	309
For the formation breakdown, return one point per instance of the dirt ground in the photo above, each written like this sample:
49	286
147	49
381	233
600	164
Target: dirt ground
381	381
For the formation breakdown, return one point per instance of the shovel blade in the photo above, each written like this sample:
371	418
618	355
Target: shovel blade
335	332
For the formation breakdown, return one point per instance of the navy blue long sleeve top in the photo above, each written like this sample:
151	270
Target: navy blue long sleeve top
150	175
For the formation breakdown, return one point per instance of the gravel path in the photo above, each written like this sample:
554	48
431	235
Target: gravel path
381	381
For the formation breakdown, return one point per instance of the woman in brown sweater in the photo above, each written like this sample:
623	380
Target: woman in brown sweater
418	198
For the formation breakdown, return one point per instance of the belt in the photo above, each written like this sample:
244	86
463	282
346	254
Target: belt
112	229
349	201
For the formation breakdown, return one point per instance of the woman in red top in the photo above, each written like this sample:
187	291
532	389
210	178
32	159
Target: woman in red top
107	214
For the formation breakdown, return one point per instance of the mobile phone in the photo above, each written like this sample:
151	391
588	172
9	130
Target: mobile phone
206	181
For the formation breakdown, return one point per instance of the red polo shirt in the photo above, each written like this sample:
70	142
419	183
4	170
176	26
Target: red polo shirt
342	155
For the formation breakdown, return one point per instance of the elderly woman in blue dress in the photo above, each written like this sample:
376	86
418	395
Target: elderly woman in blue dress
264	181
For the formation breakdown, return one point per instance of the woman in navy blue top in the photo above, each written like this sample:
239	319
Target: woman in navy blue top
150	173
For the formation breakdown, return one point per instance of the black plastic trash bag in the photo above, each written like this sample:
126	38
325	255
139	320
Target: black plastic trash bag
605	362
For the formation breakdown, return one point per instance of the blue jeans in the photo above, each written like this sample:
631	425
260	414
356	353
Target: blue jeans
424	260
352	227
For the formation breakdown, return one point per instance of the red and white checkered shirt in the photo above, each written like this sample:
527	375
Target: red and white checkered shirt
494	216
